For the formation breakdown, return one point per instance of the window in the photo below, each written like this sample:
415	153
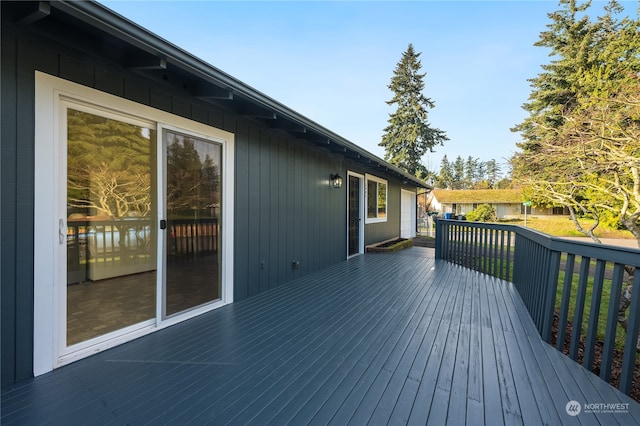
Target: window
376	199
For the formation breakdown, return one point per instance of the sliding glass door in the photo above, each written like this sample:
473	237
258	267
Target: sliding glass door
133	210
116	185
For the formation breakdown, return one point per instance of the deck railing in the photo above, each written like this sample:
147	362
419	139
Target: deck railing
566	285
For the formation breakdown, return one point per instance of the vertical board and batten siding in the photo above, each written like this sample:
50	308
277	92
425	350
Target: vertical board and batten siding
285	211
285	208
8	191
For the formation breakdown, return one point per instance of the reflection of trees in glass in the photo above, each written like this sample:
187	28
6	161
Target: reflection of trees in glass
192	184
108	166
372	188
376	199
382	200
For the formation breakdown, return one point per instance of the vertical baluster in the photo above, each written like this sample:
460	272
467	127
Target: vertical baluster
550	299
629	357
459	243
485	251
537	285
612	322
439	254
502	253
509	256
594	313
566	298
465	246
478	252
454	243
495	253
446	241
474	247
579	307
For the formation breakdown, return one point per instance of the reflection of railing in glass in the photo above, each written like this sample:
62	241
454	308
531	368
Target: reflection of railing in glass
98	249
189	238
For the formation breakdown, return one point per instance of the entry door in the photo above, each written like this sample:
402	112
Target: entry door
407	214
192	226
354	215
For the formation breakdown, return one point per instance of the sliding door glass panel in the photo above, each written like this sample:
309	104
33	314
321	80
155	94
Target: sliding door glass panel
354	215
193	206
111	235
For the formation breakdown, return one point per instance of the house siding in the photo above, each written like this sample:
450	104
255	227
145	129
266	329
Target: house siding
285	209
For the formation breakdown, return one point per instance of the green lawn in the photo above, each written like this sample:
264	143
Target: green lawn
604	304
564	227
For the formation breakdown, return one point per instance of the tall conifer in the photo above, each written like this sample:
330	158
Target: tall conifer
409	136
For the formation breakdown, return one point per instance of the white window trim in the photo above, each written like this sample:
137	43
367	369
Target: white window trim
48	161
386	201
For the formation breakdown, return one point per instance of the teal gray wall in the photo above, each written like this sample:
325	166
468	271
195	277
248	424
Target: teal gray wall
285	209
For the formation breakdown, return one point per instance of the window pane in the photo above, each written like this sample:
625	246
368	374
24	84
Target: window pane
194	178
111	239
382	200
372	206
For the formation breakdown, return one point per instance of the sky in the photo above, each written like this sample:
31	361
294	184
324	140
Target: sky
332	61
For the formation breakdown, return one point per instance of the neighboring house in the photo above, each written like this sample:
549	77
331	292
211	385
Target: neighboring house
508	203
142	186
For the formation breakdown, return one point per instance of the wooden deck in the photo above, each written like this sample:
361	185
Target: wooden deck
379	339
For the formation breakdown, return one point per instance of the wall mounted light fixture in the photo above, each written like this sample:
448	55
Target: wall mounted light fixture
336	181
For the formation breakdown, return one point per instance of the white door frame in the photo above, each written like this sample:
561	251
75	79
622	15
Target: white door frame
361	214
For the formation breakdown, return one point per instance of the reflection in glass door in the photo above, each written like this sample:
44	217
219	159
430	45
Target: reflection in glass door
111	234
354	215
193	222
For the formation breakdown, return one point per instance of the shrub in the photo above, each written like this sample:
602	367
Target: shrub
483	213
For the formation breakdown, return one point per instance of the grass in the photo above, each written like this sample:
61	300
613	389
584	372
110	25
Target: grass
604	304
564	227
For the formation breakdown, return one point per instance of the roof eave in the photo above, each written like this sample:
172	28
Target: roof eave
128	31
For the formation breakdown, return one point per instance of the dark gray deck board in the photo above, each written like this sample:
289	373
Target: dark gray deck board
379	339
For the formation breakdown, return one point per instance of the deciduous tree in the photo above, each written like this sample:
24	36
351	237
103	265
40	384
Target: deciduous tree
581	141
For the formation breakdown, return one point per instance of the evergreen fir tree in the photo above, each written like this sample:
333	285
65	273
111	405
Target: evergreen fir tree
409	136
445	177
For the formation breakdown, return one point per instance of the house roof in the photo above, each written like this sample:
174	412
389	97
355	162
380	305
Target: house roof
150	55
505	196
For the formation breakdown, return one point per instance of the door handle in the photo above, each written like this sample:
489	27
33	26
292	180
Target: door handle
62	231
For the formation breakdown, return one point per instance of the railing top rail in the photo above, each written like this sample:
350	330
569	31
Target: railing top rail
623	255
497	226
